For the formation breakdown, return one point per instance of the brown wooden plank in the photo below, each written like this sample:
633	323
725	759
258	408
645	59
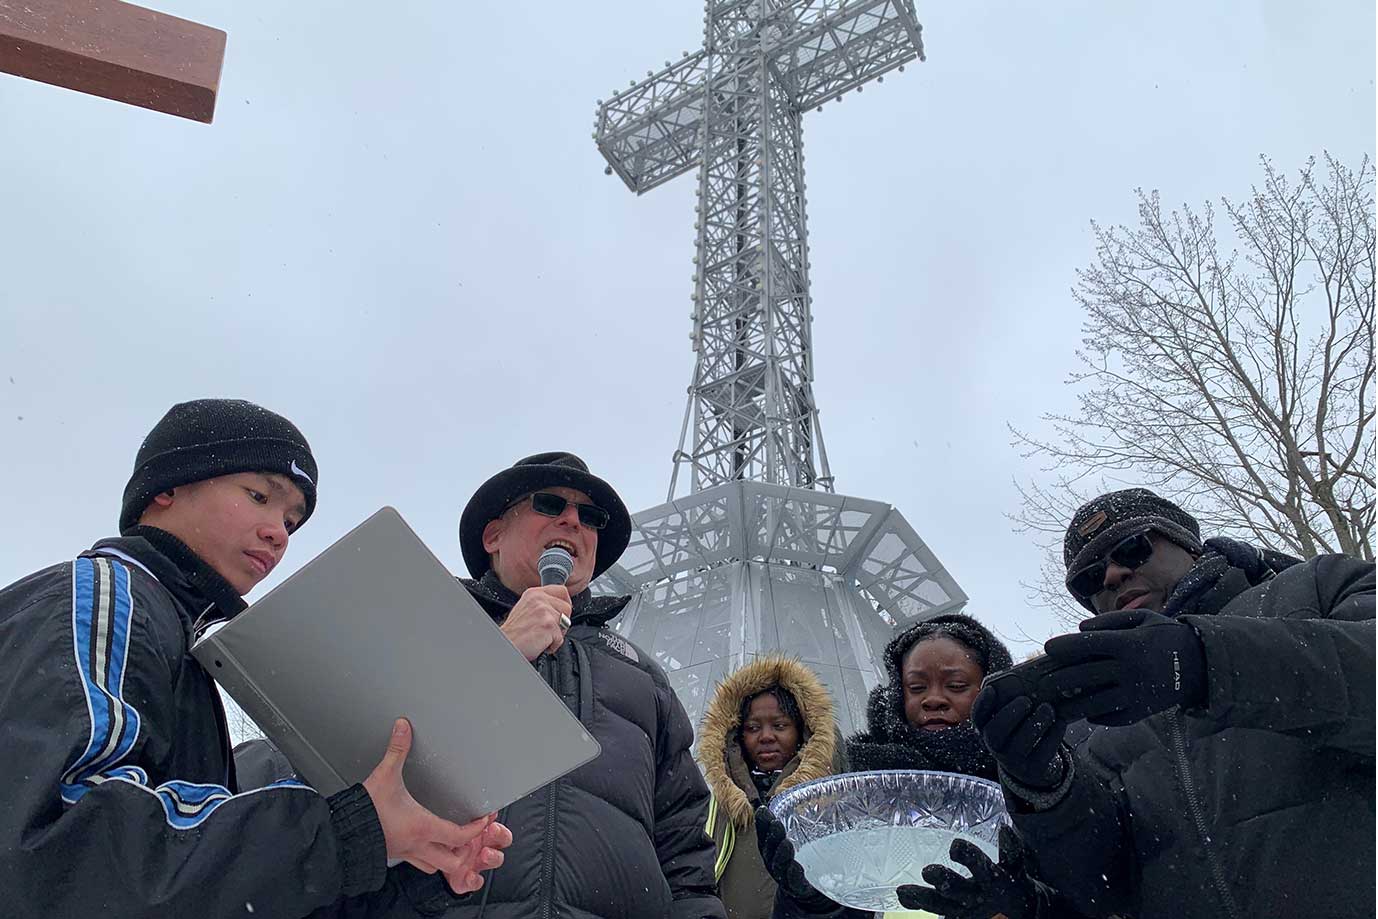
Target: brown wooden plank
115	50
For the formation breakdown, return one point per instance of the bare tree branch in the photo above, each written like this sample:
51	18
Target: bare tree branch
1241	386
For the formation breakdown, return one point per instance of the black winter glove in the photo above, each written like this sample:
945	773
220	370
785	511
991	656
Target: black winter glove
1124	666
796	896
1023	735
1006	888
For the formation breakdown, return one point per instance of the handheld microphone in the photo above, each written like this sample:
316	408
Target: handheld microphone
555	566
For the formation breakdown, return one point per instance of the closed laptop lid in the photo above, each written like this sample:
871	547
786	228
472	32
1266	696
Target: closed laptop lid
374	628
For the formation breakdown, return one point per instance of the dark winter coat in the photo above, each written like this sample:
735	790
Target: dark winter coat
621	836
119	793
747	890
1261	804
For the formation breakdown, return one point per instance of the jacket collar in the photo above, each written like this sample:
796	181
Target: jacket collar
498	601
197	587
1225	570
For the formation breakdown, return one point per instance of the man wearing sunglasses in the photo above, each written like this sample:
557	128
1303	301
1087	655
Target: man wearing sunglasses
623	835
1234	776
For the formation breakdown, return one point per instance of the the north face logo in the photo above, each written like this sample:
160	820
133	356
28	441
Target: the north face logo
620	645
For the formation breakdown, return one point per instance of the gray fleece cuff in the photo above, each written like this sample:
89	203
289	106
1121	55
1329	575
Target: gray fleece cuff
1042	799
363	851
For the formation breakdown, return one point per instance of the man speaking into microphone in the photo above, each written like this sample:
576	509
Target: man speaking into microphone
622	835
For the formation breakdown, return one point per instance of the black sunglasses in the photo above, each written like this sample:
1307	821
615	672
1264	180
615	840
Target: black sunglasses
1130	552
552	505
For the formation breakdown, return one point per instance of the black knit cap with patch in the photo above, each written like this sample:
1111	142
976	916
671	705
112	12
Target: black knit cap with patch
1104	521
207	438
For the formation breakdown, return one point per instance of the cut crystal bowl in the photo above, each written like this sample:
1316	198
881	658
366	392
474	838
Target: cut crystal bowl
859	836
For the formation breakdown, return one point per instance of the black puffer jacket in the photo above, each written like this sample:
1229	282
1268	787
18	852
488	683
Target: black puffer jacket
118	796
622	836
1262	804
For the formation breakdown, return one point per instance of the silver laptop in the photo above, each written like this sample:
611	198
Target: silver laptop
376	627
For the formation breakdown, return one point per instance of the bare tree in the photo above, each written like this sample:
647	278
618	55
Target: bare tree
241	726
1241	387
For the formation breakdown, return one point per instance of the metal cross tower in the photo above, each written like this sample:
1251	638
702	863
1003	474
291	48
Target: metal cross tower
734	109
760	555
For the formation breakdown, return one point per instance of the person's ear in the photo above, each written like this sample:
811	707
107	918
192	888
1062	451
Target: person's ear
164	499
492	533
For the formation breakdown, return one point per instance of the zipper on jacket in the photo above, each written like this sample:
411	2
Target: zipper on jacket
1179	744
548	851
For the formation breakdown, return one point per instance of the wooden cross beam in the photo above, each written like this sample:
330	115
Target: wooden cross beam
115	50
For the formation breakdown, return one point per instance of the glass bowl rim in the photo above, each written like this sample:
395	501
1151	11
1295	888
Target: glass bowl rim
779	803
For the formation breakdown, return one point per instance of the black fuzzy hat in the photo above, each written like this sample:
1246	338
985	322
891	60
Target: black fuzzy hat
891	742
532	473
990	651
1104	521
207	438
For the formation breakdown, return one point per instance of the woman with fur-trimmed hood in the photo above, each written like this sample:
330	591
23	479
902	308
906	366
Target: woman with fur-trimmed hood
768	728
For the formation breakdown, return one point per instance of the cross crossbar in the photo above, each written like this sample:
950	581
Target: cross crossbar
115	50
649	132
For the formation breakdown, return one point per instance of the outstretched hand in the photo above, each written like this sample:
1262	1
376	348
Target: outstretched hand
993	889
777	852
1126	665
1023	735
415	835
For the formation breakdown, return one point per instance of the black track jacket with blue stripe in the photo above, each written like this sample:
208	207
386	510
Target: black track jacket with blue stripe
117	787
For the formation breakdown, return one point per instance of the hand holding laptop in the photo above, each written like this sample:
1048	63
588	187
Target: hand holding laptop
414	834
377	625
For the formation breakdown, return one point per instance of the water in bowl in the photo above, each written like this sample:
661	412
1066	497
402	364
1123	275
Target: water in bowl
862	868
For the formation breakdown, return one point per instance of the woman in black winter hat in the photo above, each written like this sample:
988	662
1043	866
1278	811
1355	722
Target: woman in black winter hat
921	719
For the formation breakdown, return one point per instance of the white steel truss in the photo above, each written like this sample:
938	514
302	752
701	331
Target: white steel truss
734	109
761	556
746	568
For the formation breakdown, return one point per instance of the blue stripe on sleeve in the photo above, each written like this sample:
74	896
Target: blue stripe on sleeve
102	613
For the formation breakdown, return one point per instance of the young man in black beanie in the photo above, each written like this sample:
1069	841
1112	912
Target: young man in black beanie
1235	777
117	789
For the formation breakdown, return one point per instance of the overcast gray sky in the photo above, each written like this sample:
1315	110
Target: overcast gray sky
398	233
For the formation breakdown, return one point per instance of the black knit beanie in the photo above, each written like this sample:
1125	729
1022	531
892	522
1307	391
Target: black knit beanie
207	438
1101	523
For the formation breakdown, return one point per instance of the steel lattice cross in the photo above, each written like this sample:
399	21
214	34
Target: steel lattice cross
734	109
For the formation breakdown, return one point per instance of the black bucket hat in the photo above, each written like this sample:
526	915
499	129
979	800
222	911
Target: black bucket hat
532	473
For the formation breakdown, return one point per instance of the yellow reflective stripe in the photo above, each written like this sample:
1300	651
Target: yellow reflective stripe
729	839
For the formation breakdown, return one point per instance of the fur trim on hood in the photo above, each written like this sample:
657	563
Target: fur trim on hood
717	733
